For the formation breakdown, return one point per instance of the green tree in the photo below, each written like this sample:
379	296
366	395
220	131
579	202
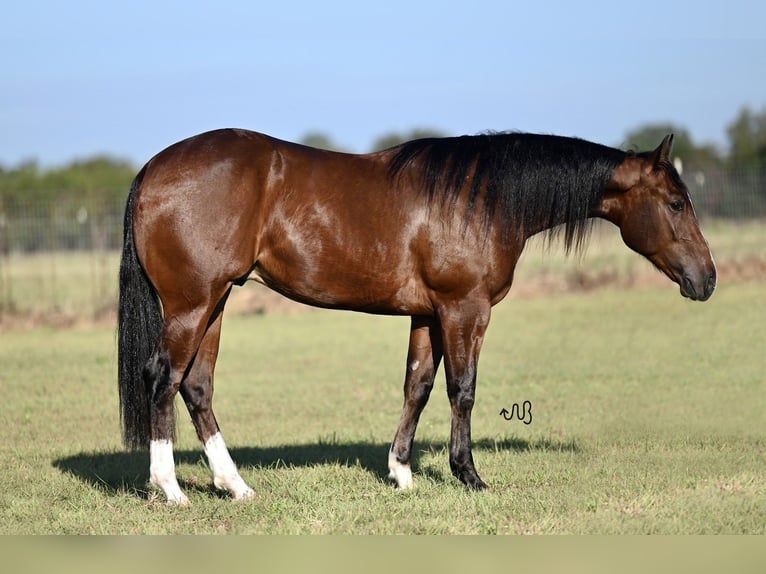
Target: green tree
747	162
692	155
79	200
320	140
101	176
747	140
648	137
393	138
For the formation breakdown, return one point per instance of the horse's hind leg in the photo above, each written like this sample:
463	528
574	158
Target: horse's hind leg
197	392
183	331
423	357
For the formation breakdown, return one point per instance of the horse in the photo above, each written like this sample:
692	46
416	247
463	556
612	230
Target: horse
431	229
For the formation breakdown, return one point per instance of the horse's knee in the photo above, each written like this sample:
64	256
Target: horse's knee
462	397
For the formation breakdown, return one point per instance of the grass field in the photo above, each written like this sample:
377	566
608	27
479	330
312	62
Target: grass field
649	416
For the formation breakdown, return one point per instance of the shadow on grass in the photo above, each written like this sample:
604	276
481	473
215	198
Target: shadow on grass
115	472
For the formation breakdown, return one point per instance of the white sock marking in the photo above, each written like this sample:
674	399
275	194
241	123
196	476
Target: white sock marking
399	472
162	471
225	474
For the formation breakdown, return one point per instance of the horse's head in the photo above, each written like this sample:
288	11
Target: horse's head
650	204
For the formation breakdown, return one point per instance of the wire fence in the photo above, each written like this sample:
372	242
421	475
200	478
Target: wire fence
727	194
62	225
61	257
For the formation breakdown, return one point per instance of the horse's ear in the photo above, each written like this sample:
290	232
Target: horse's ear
662	153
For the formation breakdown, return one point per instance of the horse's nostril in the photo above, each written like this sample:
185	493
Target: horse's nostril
687	287
710	285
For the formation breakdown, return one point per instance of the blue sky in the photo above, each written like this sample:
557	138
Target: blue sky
129	78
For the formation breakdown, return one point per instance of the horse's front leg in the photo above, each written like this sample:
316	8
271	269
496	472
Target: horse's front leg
423	357
464	324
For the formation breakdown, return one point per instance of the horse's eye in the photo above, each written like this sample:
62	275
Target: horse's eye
677	205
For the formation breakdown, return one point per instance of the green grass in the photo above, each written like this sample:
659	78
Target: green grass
649	416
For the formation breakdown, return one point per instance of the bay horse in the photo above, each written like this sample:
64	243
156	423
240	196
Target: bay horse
431	229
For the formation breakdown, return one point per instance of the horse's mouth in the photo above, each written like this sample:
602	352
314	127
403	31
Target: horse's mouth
687	288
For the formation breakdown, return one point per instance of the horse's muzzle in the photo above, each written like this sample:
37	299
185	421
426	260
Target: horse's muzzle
698	290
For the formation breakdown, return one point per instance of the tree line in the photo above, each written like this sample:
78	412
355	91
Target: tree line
79	198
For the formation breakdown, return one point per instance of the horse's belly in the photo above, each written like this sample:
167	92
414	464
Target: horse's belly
346	287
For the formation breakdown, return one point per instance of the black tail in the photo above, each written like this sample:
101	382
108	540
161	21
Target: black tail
139	326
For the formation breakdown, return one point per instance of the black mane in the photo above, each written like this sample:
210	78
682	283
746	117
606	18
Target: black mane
536	181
